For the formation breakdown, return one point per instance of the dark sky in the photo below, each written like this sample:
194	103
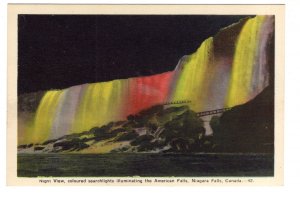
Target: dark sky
58	51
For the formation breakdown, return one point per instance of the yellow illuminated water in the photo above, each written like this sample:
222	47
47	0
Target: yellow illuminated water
244	60
192	84
45	115
99	105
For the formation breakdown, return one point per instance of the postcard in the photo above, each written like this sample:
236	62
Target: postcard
145	95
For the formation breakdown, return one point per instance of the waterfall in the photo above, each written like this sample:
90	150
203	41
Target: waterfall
224	71
244	83
45	116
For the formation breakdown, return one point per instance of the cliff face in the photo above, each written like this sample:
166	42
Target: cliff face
228	69
248	127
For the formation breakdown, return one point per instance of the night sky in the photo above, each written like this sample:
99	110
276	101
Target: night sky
59	51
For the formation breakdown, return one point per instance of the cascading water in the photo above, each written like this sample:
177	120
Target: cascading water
225	71
246	81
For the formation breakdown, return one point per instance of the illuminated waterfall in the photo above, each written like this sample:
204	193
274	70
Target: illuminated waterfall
243	81
45	116
193	81
100	104
223	72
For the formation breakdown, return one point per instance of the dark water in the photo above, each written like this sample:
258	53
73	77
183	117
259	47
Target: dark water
122	165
